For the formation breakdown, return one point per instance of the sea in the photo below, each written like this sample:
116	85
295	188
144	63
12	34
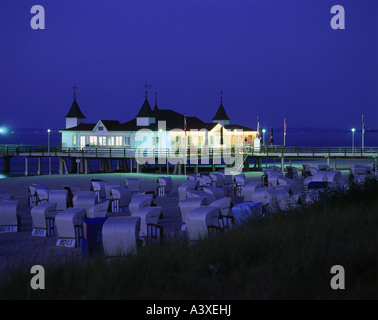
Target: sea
300	137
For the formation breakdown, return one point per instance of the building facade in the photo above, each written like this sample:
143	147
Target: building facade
155	128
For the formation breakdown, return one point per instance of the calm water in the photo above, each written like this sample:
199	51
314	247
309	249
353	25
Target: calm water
299	138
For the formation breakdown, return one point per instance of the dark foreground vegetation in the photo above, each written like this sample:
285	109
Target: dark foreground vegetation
288	257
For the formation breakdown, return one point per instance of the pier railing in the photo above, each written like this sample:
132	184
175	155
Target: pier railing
273	151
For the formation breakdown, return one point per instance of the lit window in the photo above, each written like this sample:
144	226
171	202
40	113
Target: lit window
74	140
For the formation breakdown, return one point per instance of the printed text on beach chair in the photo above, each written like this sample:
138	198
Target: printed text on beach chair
133	185
139	202
85	202
99	210
164	186
43	218
121	199
202	222
148	217
185	187
190	204
120	236
69	227
60	197
10	220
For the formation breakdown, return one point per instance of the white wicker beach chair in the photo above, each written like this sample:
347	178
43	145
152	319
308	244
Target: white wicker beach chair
202	222
149	218
99	210
185	187
69	227
218	193
133	185
200	193
43	219
85	202
60	197
190	204
165	186
249	189
121	199
10	220
139	202
120	236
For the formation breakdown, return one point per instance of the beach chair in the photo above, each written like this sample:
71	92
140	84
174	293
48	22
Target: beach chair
69	227
225	205
32	193
85	202
202	223
243	212
239	182
133	185
121	199
108	187
60	197
149	218
165	186
42	195
139	202
200	193
43	219
217	180
218	193
185	187
250	188
120	236
10	218
99	189
190	204
99	210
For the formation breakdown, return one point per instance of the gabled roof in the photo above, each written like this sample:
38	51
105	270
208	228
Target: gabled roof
75	111
221	114
145	111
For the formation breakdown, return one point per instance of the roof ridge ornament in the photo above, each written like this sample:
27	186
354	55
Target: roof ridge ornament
74	87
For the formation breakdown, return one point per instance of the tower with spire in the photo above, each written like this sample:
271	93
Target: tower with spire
221	115
74	117
145	116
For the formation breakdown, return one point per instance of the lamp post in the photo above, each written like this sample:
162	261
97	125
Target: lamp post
48	149
353	131
264	137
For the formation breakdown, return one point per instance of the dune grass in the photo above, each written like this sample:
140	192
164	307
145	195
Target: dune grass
288	257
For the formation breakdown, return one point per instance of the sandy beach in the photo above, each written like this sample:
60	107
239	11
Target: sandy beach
21	250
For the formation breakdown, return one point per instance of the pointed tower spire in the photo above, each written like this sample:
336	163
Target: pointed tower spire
74	116
221	115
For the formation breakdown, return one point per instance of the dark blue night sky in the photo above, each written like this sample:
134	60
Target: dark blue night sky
274	58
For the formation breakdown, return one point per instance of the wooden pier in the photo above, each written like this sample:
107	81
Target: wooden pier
126	157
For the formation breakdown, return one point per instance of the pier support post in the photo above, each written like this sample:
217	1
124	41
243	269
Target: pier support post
86	166
283	164
60	165
7	164
26	166
73	165
246	164
328	161
39	171
335	164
